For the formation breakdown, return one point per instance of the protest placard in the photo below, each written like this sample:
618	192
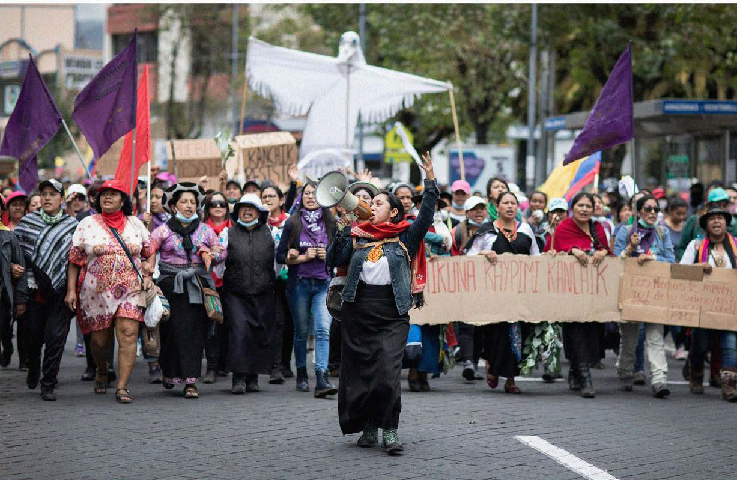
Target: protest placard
519	287
191	159
267	155
558	289
679	295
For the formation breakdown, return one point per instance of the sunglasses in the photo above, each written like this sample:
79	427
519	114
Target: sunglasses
651	209
218	204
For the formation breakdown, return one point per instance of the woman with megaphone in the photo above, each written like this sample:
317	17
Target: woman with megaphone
386	274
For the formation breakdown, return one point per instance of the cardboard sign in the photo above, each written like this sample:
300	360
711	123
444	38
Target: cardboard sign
679	295
519	288
267	155
558	289
191	159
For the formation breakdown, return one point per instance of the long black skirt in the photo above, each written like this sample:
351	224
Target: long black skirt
581	342
182	337
497	350
250	321
373	338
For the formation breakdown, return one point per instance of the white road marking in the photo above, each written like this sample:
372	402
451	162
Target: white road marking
566	459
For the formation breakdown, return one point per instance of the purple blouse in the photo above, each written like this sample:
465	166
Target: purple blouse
169	245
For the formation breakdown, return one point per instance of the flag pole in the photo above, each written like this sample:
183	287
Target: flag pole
148	187
458	135
76	148
243	107
133	164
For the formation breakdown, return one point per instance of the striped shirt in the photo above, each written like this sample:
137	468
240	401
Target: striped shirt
48	247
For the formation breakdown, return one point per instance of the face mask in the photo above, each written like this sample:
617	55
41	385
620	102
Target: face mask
475	224
247	224
456	206
232	200
180	216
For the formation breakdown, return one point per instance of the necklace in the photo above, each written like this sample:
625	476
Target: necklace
719	258
510	234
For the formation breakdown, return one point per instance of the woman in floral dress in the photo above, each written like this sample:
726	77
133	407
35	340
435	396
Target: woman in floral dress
104	287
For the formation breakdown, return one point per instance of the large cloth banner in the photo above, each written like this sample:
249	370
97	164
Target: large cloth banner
559	289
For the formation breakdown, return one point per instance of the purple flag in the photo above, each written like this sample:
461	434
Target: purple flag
34	121
106	109
611	121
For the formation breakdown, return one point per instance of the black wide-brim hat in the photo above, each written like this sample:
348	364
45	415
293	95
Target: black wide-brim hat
198	191
715	211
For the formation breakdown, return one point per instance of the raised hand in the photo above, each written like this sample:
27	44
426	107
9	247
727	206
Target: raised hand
427	166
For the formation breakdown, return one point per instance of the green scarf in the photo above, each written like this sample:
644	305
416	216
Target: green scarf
48	219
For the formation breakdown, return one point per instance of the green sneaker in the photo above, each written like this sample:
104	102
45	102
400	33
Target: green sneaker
369	438
391	443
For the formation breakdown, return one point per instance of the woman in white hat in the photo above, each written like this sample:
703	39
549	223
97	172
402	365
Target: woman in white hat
248	293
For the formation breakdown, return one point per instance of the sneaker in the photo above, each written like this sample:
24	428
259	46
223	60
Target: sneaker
468	371
476	374
139	349
639	378
660	390
79	350
680	354
88	375
626	383
210	377
154	373
276	377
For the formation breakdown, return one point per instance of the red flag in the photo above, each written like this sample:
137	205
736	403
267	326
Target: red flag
143	137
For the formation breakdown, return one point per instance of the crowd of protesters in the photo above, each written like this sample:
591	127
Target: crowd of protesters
253	274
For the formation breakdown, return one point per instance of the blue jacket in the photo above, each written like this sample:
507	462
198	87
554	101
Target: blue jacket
340	252
662	246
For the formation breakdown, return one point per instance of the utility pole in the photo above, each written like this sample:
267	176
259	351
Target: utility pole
541	165
234	122
360	165
531	97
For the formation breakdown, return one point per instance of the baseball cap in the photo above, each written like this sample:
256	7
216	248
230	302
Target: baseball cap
557	204
55	184
461	185
473	202
110	185
76	188
718	195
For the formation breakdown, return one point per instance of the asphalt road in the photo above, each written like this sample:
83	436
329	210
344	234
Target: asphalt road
456	431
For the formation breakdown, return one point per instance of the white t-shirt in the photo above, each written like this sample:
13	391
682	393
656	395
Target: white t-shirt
689	256
376	273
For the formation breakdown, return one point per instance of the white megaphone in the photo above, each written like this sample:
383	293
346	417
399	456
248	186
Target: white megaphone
332	190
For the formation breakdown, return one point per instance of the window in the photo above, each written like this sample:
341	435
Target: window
148	45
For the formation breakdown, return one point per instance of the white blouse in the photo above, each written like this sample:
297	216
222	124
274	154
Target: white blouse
376	273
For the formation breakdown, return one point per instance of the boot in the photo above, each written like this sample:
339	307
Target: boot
276	377
573	382
323	386
696	382
391	443
239	384
47	394
369	437
413	379
729	384
424	384
587	385
303	384
252	383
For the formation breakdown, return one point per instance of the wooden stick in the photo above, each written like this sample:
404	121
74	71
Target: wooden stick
596	184
76	149
458	135
243	106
